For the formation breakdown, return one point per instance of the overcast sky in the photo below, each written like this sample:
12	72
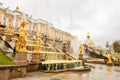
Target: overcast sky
101	18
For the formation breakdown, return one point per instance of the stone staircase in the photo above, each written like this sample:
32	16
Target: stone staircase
67	55
6	47
47	52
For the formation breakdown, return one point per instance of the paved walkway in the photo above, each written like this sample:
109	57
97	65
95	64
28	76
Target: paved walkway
100	72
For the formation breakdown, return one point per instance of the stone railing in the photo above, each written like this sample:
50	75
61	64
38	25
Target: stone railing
8	72
52	56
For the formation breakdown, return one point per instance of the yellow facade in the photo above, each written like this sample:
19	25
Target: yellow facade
16	17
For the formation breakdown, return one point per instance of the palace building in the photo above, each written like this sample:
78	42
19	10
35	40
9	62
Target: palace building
88	42
53	35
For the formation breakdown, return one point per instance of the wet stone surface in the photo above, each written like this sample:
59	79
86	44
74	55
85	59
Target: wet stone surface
100	72
55	79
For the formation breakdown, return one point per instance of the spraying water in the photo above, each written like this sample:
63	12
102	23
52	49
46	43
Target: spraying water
75	46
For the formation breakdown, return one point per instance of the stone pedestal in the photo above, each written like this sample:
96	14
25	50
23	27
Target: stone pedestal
80	56
8	37
20	58
36	58
5	74
109	64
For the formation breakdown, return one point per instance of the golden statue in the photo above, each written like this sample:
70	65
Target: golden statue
109	58
88	36
37	48
21	42
80	55
17	8
80	48
10	30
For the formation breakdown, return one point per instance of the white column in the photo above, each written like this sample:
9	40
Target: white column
50	33
6	23
32	26
14	21
36	27
2	16
62	36
17	23
29	27
39	27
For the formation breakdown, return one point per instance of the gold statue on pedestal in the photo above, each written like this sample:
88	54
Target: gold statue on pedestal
9	30
9	33
17	8
80	49
37	48
88	36
109	62
21	42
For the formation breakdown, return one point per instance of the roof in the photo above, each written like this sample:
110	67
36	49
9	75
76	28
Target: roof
42	21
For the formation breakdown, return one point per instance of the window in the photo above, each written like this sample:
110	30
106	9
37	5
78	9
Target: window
4	18
9	20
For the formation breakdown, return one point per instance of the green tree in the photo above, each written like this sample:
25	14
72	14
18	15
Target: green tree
116	46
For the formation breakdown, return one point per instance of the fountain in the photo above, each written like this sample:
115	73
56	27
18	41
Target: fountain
36	50
41	51
64	65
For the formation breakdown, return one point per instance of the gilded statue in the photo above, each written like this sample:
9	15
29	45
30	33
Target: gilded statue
37	48
10	30
88	36
21	42
109	58
80	48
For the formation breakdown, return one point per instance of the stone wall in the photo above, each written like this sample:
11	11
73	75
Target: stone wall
18	72
10	72
5	74
20	58
15	71
33	67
